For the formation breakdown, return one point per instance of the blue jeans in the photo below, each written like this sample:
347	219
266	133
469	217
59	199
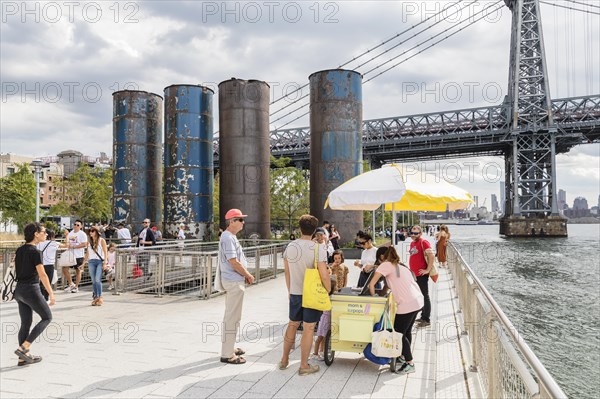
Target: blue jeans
95	266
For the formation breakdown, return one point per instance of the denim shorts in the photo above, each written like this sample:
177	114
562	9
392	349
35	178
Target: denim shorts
298	313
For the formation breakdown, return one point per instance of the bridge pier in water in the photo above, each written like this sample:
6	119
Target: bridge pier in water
522	226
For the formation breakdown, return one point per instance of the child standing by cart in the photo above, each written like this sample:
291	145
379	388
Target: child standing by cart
324	322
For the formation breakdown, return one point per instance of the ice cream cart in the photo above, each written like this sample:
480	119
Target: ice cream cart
353	316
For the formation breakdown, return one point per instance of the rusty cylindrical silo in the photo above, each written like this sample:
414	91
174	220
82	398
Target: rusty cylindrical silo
137	157
189	180
244	154
335	143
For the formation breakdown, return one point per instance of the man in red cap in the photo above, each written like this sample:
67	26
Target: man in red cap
233	275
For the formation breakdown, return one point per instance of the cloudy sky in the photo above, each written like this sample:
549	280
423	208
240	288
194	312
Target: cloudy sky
61	62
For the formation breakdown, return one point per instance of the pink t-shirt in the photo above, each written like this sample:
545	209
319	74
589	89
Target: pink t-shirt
407	294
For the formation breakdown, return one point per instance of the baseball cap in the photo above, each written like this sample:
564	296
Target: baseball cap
234	213
320	230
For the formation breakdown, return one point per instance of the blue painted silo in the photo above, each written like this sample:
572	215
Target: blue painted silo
189	178
335	143
137	157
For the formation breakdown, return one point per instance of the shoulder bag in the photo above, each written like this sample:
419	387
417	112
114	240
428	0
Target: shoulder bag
386	342
67	259
314	294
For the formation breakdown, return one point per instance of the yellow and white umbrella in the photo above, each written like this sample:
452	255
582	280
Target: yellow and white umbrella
399	190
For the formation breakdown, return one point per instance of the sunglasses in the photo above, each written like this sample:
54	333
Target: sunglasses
362	242
146	222
415	233
239	220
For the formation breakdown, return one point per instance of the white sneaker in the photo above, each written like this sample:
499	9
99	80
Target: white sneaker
69	288
110	287
74	290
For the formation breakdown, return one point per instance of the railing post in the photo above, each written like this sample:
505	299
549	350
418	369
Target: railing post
475	333
274	250
492	389
257	265
209	280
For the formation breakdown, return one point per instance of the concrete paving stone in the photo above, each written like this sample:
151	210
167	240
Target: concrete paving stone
98	393
232	389
252	395
272	382
359	385
419	388
138	390
196	392
176	386
451	385
389	378
327	388
422	356
388	391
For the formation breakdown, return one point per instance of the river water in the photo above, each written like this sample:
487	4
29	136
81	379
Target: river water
550	290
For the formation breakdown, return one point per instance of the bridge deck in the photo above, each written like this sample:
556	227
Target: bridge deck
142	346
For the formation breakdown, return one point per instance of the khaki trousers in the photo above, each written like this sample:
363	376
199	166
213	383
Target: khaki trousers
234	299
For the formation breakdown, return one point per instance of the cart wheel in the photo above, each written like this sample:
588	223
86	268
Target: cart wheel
393	365
329	354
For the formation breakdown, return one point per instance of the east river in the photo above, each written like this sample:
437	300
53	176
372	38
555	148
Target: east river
550	289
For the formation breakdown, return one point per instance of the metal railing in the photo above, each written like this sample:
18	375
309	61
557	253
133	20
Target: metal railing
506	365
188	268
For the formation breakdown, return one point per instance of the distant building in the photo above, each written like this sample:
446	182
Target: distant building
562	200
476	199
580	209
495	205
580	203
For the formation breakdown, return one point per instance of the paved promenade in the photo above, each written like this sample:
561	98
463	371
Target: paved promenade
140	346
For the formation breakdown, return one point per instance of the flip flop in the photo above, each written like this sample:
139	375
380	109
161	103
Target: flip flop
237	360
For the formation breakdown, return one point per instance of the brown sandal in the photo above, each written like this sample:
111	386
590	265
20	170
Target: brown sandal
239	352
237	360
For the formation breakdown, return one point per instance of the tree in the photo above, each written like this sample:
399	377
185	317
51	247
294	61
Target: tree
90	191
289	192
17	197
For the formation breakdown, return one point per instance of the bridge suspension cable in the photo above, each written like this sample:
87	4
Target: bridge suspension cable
582	3
569	8
368	51
485	12
431	38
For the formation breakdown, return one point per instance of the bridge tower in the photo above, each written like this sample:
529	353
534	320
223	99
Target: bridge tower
531	206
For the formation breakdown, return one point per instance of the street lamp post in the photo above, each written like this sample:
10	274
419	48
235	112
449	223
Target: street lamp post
37	165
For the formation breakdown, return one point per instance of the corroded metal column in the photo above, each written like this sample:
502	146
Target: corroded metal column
244	153
189	180
137	155
335	143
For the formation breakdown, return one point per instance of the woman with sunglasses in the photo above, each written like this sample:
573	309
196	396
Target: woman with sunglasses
97	261
367	257
29	272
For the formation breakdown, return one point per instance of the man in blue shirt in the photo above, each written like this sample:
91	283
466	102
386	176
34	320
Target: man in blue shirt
234	274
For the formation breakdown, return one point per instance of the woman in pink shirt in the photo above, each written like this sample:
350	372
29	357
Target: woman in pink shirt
409	302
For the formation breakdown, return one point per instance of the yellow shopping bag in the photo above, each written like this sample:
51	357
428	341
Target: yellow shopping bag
314	294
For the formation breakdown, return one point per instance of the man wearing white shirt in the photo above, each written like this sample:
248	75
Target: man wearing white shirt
123	234
76	242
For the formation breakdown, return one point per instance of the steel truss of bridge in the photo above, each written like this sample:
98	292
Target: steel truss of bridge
465	132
